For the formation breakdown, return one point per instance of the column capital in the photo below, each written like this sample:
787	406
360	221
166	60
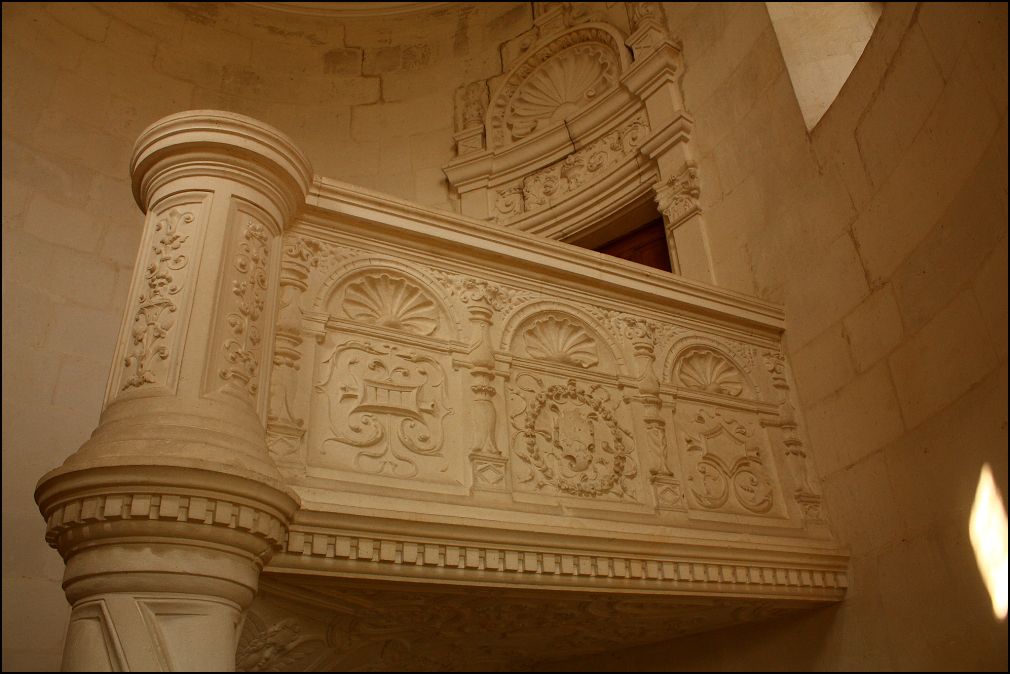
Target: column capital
213	143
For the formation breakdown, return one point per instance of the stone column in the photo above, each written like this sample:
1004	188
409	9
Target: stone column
166	516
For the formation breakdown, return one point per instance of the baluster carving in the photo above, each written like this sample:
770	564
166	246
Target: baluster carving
666	485
488	462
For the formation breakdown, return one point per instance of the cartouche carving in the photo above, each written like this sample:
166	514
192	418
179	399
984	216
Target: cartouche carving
387	401
274	649
391	302
156	311
571	439
728	462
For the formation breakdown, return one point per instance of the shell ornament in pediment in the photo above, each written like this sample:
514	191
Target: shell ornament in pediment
562	341
561	86
706	370
391	302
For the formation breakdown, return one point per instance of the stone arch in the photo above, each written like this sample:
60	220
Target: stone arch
397	297
553	329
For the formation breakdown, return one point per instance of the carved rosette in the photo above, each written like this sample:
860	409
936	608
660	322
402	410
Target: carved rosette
678	197
249	290
571	440
157	303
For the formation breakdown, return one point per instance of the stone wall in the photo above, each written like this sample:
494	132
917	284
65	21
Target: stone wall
884	233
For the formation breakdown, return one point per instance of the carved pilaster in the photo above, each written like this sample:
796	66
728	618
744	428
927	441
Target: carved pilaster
285	427
665	483
648	28
487	461
471	105
171	509
796	455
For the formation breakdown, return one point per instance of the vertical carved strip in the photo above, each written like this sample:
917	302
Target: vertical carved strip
249	287
158	306
796	455
487	460
284	427
678	200
641	334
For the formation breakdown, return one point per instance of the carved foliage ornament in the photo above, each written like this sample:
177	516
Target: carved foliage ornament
249	287
571	439
157	307
677	198
564	76
550	184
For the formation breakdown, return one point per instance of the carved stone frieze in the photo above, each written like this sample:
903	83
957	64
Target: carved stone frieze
547	186
571	440
242	348
157	303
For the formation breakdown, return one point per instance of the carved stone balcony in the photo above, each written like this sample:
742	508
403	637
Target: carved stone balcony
407	439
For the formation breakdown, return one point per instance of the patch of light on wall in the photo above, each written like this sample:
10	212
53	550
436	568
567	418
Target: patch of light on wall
988	530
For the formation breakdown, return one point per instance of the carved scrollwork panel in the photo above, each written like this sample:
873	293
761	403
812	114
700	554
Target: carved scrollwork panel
384	410
728	464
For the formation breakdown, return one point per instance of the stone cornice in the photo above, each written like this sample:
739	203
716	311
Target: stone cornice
386	218
385	548
212	141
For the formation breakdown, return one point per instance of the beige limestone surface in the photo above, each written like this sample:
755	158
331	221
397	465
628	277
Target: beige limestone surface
883	232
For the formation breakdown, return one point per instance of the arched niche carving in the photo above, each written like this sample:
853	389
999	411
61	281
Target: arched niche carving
706	365
388	294
555	81
557	333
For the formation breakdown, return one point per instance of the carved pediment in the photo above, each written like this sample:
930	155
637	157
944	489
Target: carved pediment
553	83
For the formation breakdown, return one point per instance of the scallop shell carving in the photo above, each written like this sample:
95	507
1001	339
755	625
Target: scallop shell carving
391	302
564	84
706	370
562	341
